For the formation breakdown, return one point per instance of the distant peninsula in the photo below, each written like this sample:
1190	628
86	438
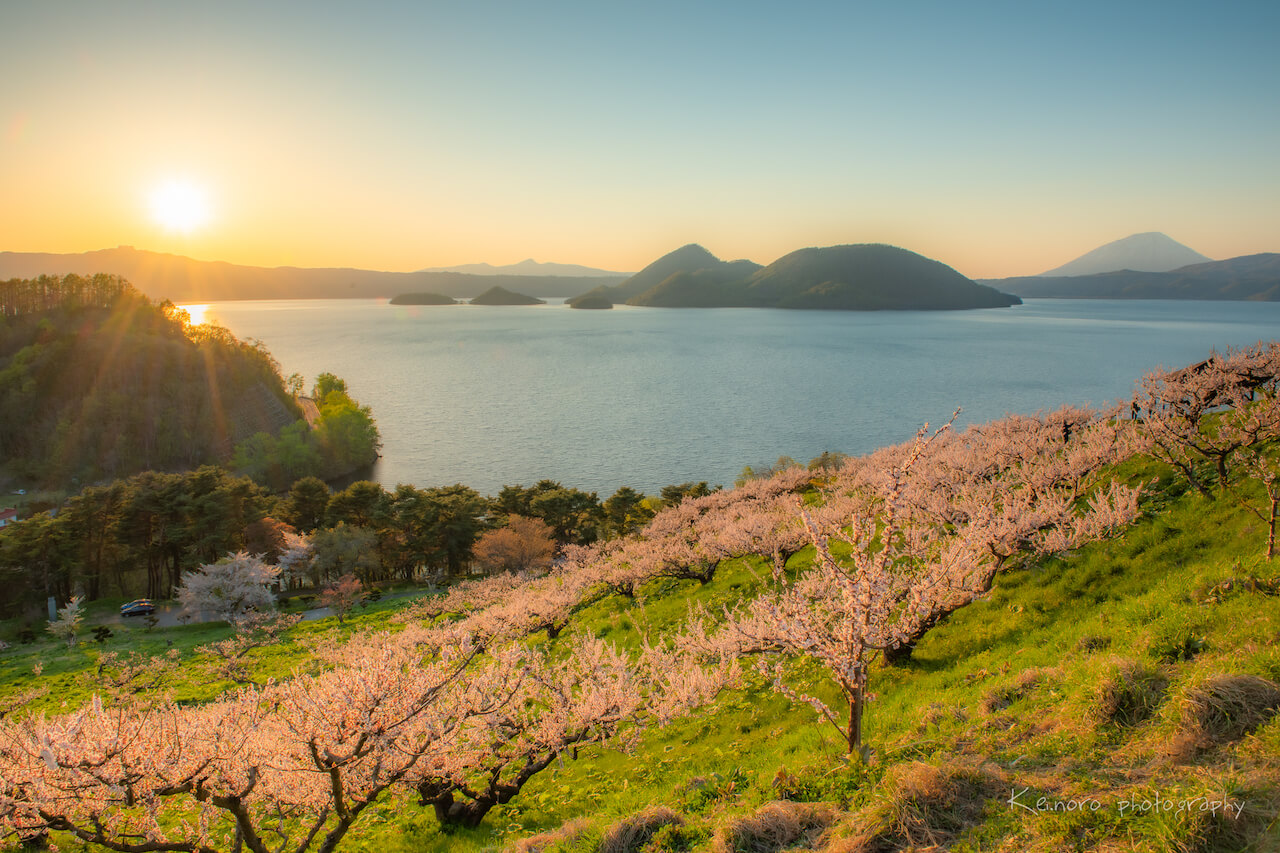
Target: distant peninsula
593	301
1254	278
863	277
501	296
423	299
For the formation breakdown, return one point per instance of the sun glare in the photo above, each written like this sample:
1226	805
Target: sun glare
180	206
196	313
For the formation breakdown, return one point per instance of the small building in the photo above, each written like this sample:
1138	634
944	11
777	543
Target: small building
8	516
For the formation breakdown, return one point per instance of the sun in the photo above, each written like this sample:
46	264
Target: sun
180	206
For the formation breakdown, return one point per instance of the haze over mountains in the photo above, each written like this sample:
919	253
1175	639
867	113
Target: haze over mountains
1152	266
182	279
856	277
1252	277
530	267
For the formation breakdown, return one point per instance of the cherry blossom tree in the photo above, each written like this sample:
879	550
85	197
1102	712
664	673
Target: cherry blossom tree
1211	410
1024	486
1224	411
843	610
290	766
121	677
342	596
926	527
231	657
67	626
593	693
293	764
1265	468
295	560
231	588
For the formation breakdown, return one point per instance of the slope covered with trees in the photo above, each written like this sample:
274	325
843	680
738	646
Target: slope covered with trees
98	382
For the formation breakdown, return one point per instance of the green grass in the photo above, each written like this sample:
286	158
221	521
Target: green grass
67	674
1068	680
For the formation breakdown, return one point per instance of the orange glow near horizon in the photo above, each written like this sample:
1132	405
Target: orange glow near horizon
570	145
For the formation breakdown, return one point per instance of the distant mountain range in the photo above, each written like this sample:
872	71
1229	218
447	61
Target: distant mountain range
855	277
530	267
866	277
1148	252
182	279
1252	277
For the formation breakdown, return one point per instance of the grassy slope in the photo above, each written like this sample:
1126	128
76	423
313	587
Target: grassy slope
1009	694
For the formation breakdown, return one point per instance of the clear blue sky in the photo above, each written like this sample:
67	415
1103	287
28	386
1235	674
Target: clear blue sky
1002	138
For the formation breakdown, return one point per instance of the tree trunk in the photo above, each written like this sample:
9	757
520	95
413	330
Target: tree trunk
450	812
1274	494
853	735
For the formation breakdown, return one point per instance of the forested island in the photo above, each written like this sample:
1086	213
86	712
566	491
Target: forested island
498	295
867	277
423	299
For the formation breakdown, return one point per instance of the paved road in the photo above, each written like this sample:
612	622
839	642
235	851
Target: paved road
170	613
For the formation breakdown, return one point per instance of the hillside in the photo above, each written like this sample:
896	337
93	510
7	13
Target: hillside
97	382
1147	252
1252	277
181	279
1116	695
683	261
864	277
868	277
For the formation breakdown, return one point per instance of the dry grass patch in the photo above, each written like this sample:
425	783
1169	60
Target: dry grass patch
923	807
1001	697
1222	709
632	833
565	834
1129	693
775	826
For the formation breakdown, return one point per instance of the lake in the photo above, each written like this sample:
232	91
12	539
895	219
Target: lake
645	397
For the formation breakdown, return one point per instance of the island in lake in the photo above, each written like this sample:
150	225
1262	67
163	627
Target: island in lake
423	299
863	277
501	296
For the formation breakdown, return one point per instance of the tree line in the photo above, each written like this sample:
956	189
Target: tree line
138	536
47	292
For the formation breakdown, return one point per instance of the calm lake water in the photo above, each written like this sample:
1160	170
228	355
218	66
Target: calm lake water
644	397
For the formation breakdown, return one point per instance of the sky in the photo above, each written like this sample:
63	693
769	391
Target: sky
1002	138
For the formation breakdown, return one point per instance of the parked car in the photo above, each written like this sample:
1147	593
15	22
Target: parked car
138	607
